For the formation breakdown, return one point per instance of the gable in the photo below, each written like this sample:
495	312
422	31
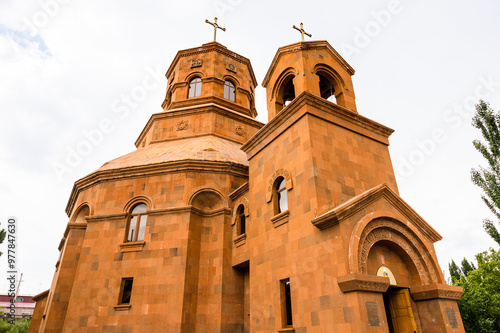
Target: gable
368	198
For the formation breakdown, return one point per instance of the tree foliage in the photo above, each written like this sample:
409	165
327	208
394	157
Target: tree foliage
488	178
467	267
480	302
456	271
20	326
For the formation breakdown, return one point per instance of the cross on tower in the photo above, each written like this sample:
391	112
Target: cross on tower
302	31
216	26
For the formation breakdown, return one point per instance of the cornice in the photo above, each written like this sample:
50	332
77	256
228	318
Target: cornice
362	282
172	210
40	296
101	176
239	192
210	47
61	244
435	291
222	211
209	105
196	136
74	226
361	201
303	46
325	110
108	217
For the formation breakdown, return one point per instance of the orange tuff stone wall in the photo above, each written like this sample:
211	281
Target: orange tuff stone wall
178	273
37	317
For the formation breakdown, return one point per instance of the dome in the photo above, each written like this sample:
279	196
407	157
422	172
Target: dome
205	148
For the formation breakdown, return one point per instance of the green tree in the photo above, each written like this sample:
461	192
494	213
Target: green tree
455	271
480	302
19	326
467	267
2	237
488	178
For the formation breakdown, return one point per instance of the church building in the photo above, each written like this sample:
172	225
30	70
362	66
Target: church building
220	223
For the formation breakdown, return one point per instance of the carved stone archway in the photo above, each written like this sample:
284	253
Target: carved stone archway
279	173
241	201
389	230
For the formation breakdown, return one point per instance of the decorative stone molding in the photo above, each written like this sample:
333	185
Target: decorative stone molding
74	226
383	229
231	67
196	63
122	307
158	169
240	240
330	112
41	295
240	130
217	212
109	217
241	201
239	192
435	291
80	207
361	201
363	282
182	125
279	173
132	246
280	219
138	199
171	210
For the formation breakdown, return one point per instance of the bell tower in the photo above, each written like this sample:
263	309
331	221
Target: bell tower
314	67
312	108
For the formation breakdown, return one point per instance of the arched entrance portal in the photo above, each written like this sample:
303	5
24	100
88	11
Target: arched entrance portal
387	259
399	311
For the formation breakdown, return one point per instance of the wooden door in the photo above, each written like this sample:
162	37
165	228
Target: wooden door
401	311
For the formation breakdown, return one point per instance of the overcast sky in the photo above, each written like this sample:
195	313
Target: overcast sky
66	65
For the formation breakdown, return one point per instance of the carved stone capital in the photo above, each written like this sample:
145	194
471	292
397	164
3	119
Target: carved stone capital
436	290
363	282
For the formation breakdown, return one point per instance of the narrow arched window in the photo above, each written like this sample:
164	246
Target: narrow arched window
241	220
229	91
288	91
281	200
136	226
327	89
194	88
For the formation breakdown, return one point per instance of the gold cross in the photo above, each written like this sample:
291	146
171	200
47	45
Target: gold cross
302	31
216	26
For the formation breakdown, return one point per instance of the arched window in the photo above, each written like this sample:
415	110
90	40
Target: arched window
136	227
280	197
326	88
194	88
229	91
241	220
